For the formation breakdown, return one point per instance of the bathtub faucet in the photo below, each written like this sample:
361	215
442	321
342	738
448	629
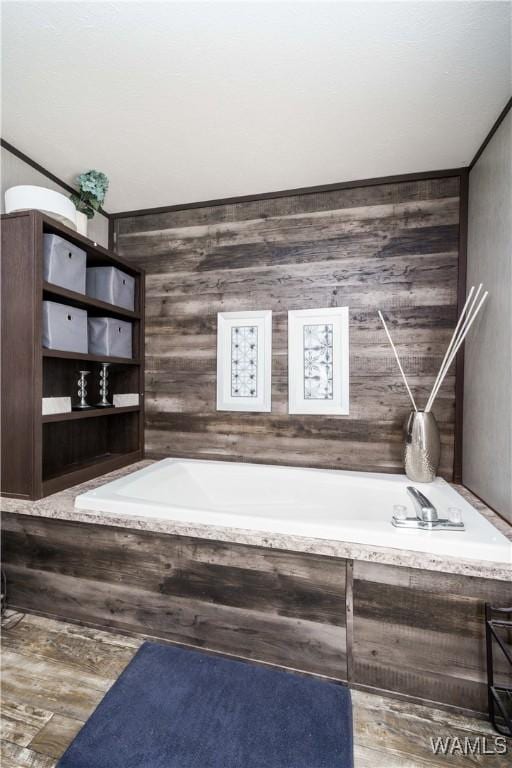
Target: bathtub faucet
425	511
426	518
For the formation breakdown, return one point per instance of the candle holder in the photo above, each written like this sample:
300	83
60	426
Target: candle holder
82	392
104	403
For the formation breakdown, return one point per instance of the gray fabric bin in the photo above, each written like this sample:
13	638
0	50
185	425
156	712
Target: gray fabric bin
111	285
110	337
64	327
64	264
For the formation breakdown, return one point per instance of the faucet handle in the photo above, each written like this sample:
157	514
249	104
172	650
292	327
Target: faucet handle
399	512
455	515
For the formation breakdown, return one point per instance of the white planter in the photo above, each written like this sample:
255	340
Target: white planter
26	197
81	223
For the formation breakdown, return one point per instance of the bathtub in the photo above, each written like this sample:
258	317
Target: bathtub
324	504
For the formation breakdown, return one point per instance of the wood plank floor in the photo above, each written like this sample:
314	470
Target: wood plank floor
54	674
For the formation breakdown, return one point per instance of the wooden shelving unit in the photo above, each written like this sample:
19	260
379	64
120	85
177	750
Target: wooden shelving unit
45	454
92	358
93	413
93	306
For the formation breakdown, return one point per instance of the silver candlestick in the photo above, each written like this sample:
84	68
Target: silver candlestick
82	391
104	403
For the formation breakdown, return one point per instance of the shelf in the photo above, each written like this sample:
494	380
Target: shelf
55	451
92	413
80	472
81	301
89	358
97	256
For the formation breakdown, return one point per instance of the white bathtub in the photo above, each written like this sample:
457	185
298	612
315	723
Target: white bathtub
324	504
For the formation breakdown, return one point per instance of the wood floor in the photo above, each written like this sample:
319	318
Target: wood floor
54	674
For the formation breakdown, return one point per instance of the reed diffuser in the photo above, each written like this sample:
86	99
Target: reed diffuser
422	447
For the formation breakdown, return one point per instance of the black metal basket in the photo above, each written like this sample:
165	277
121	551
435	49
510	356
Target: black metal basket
498	623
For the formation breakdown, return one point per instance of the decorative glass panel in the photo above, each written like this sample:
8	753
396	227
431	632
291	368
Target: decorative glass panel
244	361
318	362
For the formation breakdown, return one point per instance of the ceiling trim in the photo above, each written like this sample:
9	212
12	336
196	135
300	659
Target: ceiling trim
269	195
404	177
491	133
49	175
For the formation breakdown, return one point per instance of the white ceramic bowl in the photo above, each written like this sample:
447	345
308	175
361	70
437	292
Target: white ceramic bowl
27	197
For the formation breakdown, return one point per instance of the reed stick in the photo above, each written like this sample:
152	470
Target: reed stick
397	360
452	340
461	337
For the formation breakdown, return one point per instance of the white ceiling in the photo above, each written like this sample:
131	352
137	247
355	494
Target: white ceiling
184	101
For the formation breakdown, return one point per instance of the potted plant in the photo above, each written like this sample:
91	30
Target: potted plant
93	187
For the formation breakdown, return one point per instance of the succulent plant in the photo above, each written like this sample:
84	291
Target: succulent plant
93	187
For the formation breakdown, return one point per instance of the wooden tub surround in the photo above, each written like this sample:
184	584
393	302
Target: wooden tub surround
411	632
396	245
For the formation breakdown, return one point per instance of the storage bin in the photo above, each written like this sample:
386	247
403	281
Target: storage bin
111	285
64	264
110	337
64	327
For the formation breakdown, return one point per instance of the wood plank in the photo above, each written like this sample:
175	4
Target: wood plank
21	722
401	732
167	392
421	633
382	194
389	246
56	736
369	757
367	297
84	649
380	456
282	583
289	642
51	686
14	756
273	606
293	244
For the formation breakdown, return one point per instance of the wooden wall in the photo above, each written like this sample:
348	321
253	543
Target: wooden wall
391	246
404	631
279	607
422	633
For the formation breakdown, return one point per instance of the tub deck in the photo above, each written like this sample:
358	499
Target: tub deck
61	506
405	623
332	505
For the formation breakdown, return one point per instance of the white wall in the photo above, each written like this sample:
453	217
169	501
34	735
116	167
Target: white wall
15	171
487	449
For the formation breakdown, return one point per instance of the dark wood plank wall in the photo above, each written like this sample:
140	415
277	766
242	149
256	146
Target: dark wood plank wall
391	246
411	632
422	633
279	607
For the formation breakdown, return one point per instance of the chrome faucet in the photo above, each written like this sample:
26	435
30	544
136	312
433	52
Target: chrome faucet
426	518
425	510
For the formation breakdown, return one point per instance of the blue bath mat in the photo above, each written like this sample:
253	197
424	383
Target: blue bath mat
176	708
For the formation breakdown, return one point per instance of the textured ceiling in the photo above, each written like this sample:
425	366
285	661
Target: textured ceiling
186	101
